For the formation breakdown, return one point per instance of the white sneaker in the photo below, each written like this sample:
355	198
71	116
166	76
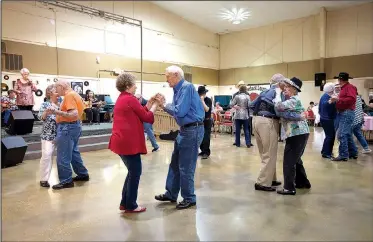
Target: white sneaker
366	151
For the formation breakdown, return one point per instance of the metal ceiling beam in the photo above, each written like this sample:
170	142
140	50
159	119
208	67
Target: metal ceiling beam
93	12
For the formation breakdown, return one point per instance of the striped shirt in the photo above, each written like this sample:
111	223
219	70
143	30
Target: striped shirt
359	114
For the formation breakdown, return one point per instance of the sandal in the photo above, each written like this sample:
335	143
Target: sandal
136	210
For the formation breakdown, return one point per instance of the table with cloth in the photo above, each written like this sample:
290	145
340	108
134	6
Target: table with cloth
368	128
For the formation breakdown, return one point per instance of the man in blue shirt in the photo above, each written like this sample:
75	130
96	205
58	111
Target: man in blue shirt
328	113
188	111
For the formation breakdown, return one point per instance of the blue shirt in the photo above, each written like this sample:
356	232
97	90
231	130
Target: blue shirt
327	111
186	105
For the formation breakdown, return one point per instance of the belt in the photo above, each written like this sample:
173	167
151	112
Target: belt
207	118
265	116
74	122
193	124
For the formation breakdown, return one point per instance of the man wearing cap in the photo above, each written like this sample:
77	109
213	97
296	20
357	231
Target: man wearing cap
345	104
207	106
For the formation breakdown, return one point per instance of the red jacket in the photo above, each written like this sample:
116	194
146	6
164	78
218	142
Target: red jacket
127	137
347	98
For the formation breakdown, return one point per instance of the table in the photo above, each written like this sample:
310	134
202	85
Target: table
368	128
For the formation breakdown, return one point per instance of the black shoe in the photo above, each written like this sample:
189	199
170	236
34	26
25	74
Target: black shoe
248	146
155	149
286	192
234	143
163	198
62	186
183	205
353	157
326	156
339	159
200	154
204	157
264	188
276	183
44	184
81	178
303	186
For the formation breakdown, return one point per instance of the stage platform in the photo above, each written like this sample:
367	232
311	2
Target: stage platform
94	137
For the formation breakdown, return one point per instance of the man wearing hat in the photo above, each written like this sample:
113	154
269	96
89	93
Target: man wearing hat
207	106
345	104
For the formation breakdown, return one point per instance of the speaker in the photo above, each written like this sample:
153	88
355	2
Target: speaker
319	77
21	122
13	150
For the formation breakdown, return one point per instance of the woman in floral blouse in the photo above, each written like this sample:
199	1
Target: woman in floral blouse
296	133
48	134
24	88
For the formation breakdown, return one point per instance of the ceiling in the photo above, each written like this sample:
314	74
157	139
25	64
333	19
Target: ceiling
206	13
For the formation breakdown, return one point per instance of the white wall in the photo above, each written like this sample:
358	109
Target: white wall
101	86
166	36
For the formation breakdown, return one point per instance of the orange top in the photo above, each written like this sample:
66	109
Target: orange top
72	100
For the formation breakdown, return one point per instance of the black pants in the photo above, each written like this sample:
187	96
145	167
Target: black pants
294	172
28	107
205	145
329	130
93	114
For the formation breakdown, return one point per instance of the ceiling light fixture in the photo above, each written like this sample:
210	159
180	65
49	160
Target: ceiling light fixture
236	16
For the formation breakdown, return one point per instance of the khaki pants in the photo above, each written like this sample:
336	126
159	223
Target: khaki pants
266	135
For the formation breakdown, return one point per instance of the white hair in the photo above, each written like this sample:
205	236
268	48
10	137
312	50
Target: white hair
329	87
176	70
24	70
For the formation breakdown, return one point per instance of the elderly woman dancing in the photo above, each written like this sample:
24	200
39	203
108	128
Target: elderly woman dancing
128	140
297	133
48	134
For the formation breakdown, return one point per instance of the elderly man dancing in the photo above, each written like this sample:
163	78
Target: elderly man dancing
188	111
68	132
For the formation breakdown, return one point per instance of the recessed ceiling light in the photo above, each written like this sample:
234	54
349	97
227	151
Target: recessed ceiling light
236	16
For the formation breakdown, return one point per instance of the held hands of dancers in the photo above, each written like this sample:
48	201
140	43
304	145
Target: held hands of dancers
333	98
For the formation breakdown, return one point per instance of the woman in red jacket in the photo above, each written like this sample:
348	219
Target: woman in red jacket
127	138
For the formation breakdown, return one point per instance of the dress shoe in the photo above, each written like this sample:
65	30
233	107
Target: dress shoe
264	188
303	186
204	156
81	178
276	183
44	184
326	156
353	157
184	204
286	192
60	186
339	159
163	198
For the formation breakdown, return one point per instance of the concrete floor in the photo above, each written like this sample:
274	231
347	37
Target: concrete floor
338	207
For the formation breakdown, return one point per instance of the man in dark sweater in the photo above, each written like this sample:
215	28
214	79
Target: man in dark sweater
207	105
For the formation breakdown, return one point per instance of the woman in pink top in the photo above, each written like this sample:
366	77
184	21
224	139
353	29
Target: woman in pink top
24	88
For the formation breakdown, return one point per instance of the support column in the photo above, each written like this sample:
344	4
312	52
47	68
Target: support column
322	28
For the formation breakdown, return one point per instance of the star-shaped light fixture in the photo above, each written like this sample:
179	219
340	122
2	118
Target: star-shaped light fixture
236	16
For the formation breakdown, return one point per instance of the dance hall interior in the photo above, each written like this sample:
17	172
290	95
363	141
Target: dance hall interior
186	120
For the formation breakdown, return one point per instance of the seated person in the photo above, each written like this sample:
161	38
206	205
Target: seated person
369	108
93	106
8	104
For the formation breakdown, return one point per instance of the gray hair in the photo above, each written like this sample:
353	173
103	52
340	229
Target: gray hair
176	70
49	90
24	70
276	78
125	81
63	83
329	87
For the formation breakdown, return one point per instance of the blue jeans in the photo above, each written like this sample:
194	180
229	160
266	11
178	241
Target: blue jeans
183	164
131	184
359	135
68	152
329	130
245	124
347	146
7	114
148	128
